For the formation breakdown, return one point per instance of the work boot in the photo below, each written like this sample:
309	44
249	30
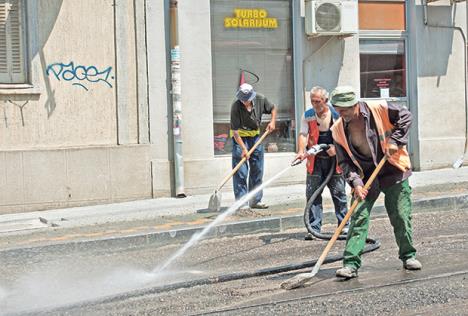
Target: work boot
259	205
346	272
412	264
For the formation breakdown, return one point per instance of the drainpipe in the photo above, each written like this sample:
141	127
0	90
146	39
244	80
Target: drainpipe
176	102
426	22
297	27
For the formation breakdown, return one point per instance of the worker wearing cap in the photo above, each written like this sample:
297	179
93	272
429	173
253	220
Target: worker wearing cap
246	116
315	129
365	132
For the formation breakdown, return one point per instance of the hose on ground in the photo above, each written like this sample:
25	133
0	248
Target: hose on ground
373	244
317	192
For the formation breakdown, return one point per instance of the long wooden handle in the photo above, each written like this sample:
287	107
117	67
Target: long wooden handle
346	218
259	141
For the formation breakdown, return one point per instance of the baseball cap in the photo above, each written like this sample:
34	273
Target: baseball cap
245	92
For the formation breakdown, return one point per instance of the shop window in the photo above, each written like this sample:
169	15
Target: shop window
12	68
251	42
383	68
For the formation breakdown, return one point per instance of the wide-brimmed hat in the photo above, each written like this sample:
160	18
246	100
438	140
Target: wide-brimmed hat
343	96
245	92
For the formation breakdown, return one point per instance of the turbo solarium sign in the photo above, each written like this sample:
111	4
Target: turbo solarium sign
250	19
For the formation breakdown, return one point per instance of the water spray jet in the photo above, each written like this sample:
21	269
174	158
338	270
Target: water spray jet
197	236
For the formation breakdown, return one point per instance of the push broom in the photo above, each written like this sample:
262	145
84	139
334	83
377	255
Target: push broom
302	278
214	203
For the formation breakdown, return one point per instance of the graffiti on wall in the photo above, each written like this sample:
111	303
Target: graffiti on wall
80	75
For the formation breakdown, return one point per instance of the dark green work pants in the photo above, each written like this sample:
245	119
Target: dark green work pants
398	205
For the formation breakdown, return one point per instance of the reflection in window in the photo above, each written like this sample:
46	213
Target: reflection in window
259	54
383	68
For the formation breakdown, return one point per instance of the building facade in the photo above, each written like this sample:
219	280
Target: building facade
86	95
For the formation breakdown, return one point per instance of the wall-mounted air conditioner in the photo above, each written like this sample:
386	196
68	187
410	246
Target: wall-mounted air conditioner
331	17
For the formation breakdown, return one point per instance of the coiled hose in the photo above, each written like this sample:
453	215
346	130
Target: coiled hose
327	236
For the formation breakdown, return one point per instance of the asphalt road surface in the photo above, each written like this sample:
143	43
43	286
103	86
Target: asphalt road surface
126	282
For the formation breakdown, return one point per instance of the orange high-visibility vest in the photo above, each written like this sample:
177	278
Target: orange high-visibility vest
313	136
379	109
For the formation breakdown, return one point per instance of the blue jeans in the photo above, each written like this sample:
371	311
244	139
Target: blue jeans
251	170
336	185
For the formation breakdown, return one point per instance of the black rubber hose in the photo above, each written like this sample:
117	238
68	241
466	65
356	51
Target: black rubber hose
312	199
325	236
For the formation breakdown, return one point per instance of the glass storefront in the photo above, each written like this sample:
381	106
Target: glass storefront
251	42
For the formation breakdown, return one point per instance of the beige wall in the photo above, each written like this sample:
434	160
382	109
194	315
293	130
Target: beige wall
68	115
62	148
440	84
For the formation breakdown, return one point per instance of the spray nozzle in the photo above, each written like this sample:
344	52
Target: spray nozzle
312	151
296	162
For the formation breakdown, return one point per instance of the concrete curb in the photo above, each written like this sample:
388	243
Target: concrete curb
265	225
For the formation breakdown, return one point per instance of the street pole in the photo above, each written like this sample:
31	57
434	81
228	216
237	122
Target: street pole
176	102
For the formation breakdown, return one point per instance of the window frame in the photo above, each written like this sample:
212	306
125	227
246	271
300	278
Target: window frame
23	76
32	83
389	35
266	117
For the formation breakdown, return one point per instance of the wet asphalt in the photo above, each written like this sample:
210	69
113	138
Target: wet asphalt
71	281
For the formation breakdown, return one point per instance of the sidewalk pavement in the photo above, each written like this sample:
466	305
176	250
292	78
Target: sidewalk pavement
169	220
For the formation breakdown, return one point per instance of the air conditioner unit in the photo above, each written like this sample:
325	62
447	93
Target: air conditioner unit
331	17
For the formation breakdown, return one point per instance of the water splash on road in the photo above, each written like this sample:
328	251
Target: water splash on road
3	294
65	283
198	236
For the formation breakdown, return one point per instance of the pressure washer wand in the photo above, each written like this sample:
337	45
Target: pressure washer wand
312	151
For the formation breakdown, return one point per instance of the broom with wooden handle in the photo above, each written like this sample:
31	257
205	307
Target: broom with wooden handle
214	204
302	278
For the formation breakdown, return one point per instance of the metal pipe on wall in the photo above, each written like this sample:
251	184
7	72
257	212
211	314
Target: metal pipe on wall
176	101
298	82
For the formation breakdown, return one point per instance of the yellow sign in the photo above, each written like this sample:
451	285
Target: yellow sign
250	19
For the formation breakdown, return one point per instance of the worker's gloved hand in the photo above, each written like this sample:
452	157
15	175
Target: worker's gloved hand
331	151
391	150
360	193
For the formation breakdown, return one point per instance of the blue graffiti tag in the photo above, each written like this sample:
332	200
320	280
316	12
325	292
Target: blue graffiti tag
69	72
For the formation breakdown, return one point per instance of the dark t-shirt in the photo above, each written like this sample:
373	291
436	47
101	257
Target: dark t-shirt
250	121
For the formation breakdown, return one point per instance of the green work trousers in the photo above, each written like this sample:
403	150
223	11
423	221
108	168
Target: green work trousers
398	205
